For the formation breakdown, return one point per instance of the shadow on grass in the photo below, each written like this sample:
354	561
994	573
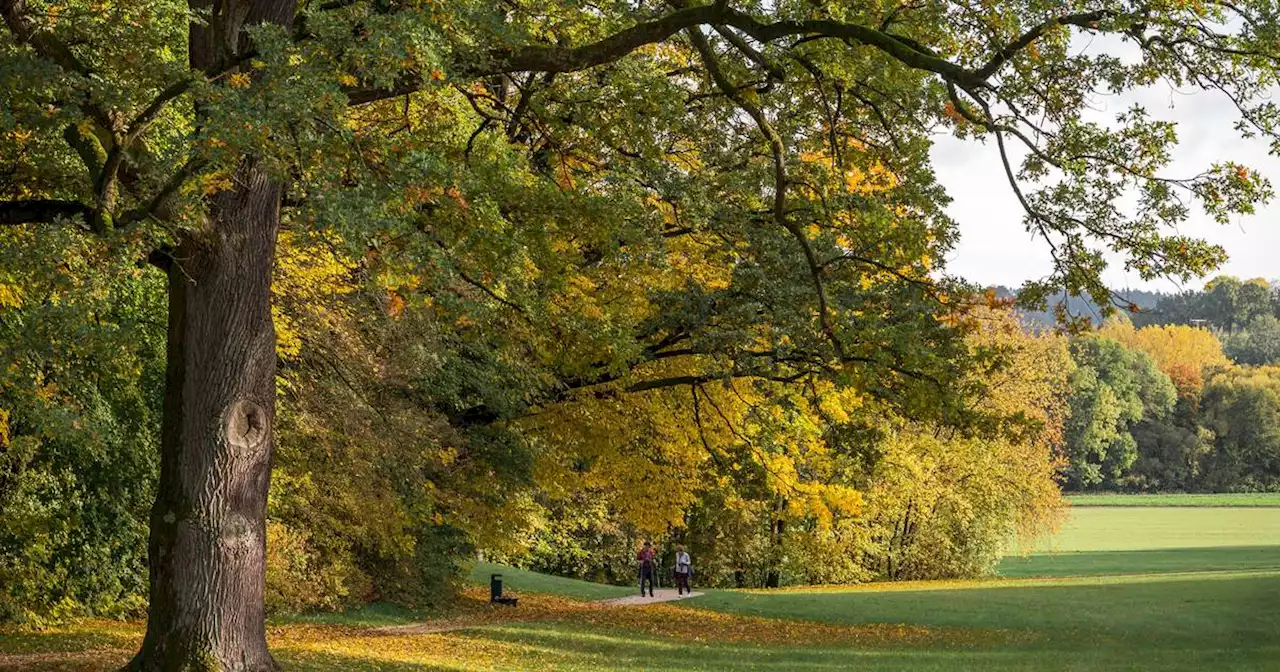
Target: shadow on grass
1161	561
1176	611
557	646
372	615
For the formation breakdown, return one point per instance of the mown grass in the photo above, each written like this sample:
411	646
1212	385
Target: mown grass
376	614
1121	528
1245	499
1159	561
517	581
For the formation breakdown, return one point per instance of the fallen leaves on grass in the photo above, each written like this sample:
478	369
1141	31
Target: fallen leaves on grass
103	645
686	623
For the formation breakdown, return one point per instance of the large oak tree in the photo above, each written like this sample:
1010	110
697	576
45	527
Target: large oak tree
788	138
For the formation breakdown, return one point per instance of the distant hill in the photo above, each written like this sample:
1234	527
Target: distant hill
1081	306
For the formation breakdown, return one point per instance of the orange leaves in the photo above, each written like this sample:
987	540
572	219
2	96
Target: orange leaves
47	392
418	194
395	304
455	194
949	111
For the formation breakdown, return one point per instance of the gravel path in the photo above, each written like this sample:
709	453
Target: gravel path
660	595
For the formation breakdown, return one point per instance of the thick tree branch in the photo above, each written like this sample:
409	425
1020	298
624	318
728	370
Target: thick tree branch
42	211
1082	19
614	47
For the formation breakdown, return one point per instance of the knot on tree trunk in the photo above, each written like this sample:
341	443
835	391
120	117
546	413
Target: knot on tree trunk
246	426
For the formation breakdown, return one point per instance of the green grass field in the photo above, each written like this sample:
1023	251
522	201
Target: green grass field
1263	499
524	581
1128	587
1136	528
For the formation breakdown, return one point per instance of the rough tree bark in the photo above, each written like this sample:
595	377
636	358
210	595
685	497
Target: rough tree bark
208	526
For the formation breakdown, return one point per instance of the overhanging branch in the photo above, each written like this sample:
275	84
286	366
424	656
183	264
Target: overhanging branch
42	211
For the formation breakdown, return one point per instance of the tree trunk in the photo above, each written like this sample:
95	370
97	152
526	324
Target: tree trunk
777	527
208	526
207	552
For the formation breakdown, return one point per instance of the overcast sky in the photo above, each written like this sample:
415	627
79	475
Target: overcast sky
995	248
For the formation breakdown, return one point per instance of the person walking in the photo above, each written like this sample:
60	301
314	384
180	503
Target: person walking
684	570
645	558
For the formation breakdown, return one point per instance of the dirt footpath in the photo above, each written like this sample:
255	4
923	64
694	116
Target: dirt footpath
659	595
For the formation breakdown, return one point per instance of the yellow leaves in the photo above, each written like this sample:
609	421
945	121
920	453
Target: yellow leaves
216	182
843	500
307	274
10	296
1182	352
348	79
288	339
4	428
836	403
687	261
19	135
686	156
239	80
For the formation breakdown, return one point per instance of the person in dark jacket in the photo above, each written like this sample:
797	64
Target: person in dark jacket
646	559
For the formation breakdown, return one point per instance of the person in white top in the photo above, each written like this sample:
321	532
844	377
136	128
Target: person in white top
684	569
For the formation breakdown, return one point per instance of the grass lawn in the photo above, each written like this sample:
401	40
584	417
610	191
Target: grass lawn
520	581
1133	528
1158	561
1236	499
1133	588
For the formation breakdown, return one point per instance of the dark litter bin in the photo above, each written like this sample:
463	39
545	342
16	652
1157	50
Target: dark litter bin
495	591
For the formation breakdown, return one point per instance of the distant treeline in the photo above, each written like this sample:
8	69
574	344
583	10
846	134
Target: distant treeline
1244	314
1183	395
1080	305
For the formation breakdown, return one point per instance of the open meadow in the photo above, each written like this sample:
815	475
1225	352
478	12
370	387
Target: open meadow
1159	588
